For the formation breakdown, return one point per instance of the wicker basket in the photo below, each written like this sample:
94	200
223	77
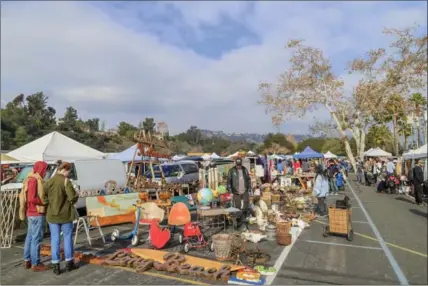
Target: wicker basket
275	199
283	238
339	220
223	246
283	226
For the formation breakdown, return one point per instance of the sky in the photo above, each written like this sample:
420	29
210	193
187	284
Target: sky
185	63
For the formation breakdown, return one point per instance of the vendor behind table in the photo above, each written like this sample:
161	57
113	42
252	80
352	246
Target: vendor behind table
239	184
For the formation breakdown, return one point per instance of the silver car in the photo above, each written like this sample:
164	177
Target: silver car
181	172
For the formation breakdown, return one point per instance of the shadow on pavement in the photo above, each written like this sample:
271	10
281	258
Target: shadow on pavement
405	199
419	213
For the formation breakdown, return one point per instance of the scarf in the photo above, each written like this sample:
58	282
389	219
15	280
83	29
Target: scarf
23	195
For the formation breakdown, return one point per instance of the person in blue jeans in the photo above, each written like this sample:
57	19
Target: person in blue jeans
60	199
31	207
320	190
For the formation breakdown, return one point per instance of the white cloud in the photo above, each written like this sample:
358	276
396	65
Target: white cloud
81	56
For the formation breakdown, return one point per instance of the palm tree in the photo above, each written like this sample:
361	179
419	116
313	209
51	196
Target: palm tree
405	130
417	100
379	135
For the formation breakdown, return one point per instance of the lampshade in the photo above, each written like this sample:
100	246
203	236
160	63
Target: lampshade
179	215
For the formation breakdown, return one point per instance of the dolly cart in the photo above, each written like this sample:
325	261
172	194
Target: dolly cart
339	222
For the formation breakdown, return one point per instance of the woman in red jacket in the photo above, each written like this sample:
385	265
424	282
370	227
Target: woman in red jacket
31	206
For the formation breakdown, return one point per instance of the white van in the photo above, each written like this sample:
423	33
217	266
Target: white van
85	175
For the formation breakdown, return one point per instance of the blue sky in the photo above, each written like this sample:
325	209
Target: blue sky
186	63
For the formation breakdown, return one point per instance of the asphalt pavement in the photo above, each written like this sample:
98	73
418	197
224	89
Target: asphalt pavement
315	259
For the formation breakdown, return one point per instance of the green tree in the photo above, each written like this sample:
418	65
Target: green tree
69	121
149	125
124	127
21	136
194	135
417	100
93	124
279	139
379	136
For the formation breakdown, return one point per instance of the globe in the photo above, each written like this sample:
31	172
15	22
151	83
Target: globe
221	190
205	196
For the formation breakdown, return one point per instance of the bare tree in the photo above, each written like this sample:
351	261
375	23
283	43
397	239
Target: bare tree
390	76
308	84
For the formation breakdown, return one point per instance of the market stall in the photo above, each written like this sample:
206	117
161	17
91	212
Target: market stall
51	148
329	155
377	152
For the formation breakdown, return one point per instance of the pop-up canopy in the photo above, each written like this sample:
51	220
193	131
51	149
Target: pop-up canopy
308	153
421	152
377	152
55	146
329	155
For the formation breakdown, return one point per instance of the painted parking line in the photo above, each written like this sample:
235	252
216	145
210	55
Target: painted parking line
280	261
397	270
389	244
354	221
341	244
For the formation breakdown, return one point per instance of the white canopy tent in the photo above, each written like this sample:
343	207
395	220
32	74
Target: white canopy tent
55	146
377	152
177	157
368	151
329	155
251	153
206	157
421	152
214	156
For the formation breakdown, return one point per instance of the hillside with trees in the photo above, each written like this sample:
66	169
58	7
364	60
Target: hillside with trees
27	118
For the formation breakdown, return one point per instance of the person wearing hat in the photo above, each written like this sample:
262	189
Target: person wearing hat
239	184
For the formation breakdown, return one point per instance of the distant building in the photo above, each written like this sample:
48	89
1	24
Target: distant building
162	129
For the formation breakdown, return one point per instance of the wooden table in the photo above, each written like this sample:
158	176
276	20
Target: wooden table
212	218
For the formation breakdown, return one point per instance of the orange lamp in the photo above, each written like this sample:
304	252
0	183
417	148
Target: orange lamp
179	215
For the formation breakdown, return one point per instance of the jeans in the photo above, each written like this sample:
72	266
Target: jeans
67	232
333	185
321	206
35	232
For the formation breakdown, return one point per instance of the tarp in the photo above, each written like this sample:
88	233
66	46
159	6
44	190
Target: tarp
368	151
214	156
251	153
329	155
377	152
308	153
421	152
55	146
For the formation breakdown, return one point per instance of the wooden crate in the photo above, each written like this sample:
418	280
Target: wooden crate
339	220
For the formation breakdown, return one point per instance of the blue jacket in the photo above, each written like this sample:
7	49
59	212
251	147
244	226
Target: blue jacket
321	187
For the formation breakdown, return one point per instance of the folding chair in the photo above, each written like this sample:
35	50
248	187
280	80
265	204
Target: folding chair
84	223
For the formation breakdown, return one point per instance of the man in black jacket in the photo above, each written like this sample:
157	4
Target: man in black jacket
418	181
239	184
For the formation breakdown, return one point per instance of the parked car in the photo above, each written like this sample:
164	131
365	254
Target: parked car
180	172
85	175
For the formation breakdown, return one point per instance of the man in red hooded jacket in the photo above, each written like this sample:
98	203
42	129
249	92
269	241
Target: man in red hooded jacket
36	216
